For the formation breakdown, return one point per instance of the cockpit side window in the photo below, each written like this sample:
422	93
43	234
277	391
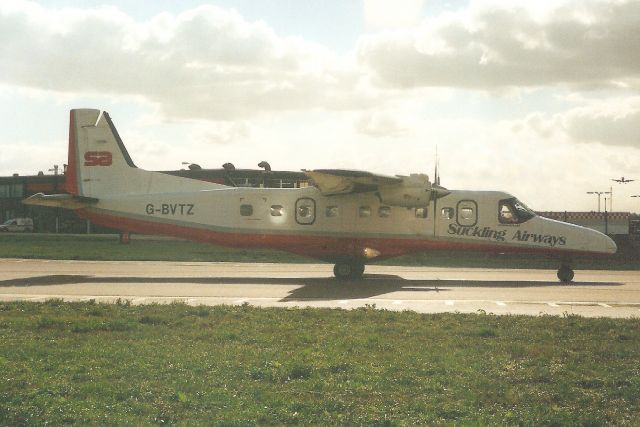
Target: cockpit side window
513	211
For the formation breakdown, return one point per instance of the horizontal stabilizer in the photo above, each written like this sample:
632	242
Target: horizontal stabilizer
65	201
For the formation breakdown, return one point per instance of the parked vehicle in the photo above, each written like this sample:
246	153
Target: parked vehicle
18	225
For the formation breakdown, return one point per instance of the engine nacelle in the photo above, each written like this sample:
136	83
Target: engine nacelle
414	192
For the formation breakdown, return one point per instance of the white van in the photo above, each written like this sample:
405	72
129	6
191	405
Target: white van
17	225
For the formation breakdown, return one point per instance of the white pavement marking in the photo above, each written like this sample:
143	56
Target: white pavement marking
449	303
604	305
500	303
344	301
552	304
397	302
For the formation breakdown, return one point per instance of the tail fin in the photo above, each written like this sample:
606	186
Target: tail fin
99	163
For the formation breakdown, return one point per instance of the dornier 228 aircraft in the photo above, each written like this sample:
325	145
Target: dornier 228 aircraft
348	218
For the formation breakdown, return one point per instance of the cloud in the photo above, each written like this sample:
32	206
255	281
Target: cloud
206	63
384	15
615	123
222	132
495	44
19	158
612	122
380	124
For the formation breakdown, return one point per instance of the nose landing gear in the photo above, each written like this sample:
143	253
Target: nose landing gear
348	270
565	273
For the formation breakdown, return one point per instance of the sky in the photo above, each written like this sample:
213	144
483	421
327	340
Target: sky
539	99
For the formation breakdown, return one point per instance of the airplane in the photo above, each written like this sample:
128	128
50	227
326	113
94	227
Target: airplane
623	180
348	218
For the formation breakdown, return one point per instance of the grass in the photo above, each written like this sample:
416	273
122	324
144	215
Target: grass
107	248
87	363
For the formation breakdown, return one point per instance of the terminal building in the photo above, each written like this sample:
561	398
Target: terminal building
612	223
14	189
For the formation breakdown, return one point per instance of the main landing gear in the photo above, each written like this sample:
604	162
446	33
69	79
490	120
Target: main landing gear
352	270
565	273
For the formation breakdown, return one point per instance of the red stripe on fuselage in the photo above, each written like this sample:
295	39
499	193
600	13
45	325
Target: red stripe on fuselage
322	247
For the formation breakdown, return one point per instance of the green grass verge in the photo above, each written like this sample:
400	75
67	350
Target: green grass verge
87	363
107	248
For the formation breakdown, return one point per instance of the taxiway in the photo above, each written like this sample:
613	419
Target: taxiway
421	289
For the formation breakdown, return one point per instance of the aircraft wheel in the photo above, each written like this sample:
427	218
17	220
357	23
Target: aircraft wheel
358	270
348	270
565	274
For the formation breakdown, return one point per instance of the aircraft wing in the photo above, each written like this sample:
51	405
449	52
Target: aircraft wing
411	191
341	181
66	201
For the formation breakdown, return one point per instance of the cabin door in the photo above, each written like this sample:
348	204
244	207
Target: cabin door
467	213
451	217
305	211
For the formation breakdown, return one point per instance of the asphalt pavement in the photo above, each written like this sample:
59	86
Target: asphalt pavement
421	289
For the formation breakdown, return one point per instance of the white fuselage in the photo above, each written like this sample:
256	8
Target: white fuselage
346	224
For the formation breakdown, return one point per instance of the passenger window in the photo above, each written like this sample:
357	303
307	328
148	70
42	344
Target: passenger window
384	211
332	211
447	213
422	212
276	210
466	213
304	211
246	210
364	211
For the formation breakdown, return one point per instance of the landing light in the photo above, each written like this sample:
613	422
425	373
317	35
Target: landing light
370	253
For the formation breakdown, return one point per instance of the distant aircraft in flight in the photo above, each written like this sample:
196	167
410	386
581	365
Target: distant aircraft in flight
622	180
348	218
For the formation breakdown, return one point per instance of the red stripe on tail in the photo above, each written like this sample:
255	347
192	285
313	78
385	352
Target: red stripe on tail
71	178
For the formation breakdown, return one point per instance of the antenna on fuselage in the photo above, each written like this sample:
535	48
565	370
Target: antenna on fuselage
437	190
436	176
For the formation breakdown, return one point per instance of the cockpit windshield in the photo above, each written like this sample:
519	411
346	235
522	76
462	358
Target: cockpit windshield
513	211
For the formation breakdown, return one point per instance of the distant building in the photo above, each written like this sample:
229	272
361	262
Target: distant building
616	223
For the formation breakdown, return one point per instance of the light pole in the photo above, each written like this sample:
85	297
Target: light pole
610	199
55	186
600	193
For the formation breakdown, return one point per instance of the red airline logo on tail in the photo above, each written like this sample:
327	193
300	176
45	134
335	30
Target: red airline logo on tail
98	158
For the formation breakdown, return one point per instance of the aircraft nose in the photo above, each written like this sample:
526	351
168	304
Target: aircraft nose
610	245
604	244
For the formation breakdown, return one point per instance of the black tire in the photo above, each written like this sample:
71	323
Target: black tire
358	270
565	274
348	270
